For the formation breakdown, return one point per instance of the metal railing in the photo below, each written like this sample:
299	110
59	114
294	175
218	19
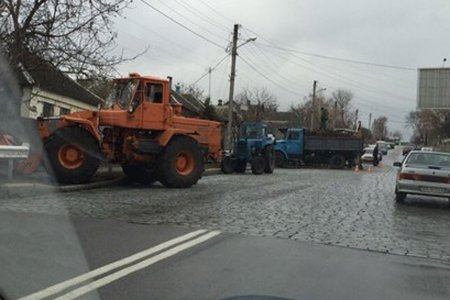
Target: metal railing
11	153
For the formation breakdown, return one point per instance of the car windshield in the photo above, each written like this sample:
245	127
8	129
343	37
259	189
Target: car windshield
425	160
137	159
121	94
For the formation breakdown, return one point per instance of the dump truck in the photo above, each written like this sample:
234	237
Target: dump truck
335	149
140	127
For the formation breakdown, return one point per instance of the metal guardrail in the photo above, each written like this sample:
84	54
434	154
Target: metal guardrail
10	153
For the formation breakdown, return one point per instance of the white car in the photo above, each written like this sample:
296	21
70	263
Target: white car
423	173
368	154
427	149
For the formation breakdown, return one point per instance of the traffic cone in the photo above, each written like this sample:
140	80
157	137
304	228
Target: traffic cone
369	169
356	169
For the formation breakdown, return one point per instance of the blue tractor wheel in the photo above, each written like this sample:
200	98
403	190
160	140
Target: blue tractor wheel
258	165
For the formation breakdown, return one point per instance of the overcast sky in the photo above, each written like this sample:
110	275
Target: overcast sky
405	33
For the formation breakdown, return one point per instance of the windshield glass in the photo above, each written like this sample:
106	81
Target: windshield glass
121	94
250	132
425	160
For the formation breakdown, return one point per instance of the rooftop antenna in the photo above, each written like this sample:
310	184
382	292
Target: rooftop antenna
443	62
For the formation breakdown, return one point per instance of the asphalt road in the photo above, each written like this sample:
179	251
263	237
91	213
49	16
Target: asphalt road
222	266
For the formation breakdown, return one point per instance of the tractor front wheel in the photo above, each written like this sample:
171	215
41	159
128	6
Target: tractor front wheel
181	163
72	155
228	165
141	174
258	165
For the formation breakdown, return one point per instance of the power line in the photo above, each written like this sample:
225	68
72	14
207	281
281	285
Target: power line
339	59
182	25
268	78
183	16
203	16
212	69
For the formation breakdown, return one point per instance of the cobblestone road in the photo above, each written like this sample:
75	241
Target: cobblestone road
337	207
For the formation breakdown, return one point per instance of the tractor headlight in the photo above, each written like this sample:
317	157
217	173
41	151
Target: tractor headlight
131	109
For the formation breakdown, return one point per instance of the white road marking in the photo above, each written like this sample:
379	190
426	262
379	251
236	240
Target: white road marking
109	267
136	267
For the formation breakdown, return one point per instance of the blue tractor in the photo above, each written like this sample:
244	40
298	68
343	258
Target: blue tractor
255	146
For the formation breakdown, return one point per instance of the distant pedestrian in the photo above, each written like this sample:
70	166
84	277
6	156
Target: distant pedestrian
375	155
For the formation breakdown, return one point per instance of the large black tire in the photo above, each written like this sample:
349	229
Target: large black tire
181	164
337	162
72	155
280	159
241	166
269	157
228	165
258	165
141	174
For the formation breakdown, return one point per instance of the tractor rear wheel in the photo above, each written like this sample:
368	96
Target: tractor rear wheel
258	165
72	155
141	174
228	165
241	166
269	157
181	163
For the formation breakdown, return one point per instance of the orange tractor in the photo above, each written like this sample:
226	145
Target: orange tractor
140	128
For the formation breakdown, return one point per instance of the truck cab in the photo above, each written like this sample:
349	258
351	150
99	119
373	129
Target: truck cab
291	147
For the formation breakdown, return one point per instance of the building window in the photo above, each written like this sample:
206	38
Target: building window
64	111
47	109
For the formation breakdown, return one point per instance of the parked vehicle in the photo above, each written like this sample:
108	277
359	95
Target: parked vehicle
408	148
334	149
138	128
368	155
255	146
383	147
423	173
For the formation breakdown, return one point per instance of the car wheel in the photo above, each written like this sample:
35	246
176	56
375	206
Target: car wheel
399	196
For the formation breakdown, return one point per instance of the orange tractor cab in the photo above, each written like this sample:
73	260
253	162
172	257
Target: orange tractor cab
140	128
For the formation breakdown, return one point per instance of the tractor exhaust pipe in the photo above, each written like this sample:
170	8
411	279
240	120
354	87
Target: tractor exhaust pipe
170	82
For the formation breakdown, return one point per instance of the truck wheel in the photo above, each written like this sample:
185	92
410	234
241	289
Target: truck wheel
228	165
258	165
280	160
241	166
269	157
72	155
141	174
181	163
337	162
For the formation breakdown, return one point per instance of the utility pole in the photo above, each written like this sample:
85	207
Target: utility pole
370	120
313	114
231	95
209	87
356	118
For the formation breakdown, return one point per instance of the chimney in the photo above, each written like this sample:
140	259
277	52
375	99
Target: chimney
220	102
178	88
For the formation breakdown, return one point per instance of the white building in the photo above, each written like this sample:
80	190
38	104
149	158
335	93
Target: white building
46	91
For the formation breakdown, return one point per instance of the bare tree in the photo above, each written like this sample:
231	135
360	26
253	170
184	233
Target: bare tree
258	101
341	108
379	128
74	35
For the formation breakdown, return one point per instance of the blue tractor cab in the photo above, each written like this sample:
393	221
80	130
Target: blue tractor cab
255	146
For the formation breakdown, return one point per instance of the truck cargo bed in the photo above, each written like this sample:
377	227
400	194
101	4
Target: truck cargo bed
333	143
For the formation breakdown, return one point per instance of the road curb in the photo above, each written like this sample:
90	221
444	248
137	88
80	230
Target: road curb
214	171
17	190
20	189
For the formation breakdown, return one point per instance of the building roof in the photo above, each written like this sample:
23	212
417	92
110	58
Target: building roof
34	71
189	102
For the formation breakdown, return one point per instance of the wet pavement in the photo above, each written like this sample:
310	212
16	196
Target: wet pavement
336	207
